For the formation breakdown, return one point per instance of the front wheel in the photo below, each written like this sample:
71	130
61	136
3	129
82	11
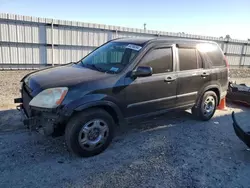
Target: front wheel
206	107
89	132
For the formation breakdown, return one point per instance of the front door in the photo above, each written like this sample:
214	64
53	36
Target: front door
153	93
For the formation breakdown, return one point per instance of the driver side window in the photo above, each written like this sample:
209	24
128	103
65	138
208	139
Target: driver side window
160	59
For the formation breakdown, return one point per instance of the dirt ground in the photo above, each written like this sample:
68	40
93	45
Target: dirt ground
10	86
171	150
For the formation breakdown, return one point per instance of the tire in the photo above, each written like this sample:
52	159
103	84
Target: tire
90	132
206	106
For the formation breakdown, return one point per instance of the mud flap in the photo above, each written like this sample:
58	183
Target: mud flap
244	136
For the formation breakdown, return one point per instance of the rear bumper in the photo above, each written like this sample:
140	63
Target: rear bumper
43	122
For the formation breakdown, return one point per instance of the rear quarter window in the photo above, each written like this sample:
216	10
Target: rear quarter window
213	55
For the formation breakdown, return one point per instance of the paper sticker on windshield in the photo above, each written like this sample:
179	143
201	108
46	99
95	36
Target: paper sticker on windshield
114	69
134	47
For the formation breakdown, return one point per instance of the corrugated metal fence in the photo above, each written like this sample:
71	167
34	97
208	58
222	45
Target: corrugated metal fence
31	42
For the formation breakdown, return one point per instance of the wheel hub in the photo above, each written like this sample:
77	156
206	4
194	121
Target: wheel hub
209	105
93	134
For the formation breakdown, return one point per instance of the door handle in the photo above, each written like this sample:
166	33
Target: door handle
204	74
169	79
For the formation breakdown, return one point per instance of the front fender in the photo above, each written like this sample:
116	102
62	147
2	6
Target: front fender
100	103
93	100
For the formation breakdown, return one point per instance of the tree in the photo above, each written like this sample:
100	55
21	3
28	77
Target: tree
227	37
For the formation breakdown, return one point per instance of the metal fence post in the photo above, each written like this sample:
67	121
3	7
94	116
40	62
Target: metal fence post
241	63
52	42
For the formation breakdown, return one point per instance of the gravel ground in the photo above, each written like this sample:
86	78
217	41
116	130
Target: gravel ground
166	151
242	81
172	150
9	86
240	73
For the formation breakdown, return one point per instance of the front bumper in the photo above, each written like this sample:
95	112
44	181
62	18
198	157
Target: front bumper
44	122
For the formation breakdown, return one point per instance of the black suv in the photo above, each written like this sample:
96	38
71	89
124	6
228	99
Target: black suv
121	80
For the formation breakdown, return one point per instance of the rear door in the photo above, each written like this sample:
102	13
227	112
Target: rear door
191	75
218	66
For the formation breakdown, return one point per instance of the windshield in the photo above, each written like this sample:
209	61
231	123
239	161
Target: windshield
111	57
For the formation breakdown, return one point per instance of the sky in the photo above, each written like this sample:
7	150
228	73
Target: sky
213	18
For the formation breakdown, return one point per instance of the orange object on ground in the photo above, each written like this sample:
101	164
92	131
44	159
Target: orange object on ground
222	105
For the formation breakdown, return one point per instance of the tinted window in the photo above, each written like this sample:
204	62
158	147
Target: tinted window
111	57
216	57
187	59
160	60
199	59
212	54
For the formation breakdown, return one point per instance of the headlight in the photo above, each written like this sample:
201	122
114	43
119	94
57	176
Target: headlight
49	98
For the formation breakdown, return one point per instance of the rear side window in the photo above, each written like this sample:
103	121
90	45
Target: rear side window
161	60
199	59
212	54
216	57
189	59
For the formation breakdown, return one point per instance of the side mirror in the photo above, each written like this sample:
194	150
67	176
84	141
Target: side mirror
142	72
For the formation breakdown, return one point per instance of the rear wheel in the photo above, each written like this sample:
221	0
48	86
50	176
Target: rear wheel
89	132
206	107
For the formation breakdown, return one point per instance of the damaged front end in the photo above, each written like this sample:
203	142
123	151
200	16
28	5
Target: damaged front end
45	120
244	136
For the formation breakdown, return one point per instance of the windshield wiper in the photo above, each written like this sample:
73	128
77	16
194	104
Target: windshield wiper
93	66
110	71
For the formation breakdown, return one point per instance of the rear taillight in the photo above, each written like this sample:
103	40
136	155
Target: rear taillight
227	64
225	59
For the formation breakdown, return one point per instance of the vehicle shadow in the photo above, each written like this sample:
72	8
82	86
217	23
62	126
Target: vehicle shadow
10	120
